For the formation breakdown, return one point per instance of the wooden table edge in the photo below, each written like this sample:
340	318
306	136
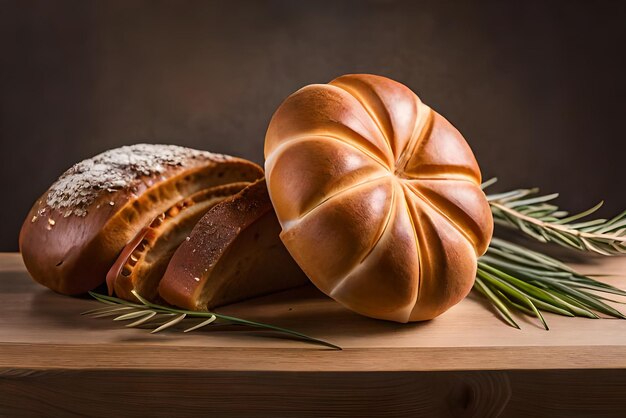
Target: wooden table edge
383	359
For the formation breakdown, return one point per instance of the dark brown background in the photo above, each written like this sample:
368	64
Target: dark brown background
538	89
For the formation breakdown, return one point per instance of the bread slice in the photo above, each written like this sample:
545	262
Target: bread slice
143	261
233	253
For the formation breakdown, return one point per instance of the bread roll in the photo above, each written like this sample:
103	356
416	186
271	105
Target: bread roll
233	253
378	196
143	261
76	230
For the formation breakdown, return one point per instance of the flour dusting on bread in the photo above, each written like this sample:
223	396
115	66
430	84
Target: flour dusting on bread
116	169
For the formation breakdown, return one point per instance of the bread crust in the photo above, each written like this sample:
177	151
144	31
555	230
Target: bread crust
70	246
378	196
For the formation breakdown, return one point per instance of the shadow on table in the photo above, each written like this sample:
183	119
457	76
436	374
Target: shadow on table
303	309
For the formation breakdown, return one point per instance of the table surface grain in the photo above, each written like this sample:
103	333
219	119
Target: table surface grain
43	330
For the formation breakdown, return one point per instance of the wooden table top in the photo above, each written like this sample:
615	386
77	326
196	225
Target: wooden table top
43	330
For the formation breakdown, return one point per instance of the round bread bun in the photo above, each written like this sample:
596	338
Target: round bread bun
76	230
378	197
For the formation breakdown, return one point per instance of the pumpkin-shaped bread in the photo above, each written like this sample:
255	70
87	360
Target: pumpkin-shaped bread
378	197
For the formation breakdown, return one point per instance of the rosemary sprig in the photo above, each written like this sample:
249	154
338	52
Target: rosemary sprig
513	277
537	216
149	313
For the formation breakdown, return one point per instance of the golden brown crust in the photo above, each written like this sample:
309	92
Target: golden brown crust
378	196
233	253
69	243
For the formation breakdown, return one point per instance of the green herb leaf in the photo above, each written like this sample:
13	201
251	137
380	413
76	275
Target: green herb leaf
150	312
529	282
524	210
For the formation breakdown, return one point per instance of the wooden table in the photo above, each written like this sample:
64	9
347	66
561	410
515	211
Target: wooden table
55	362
